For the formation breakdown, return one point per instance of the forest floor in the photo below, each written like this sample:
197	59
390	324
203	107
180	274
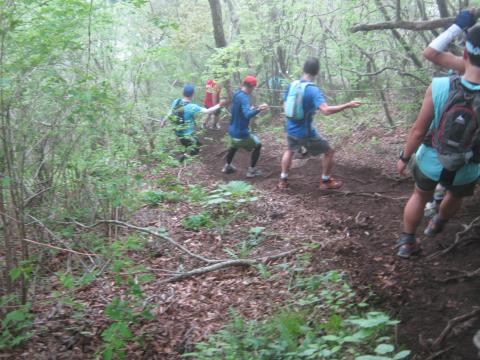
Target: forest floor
355	227
365	217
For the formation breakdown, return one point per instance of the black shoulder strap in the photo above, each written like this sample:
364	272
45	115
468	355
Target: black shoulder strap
178	103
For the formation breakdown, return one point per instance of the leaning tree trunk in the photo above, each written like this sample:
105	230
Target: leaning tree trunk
219	35
442	8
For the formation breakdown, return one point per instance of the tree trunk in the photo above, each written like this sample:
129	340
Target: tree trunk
218	33
442	8
234	19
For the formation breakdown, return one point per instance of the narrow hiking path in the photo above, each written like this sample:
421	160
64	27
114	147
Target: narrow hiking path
360	225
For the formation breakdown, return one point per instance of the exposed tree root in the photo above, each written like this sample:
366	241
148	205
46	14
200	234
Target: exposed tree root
451	325
464	275
458	239
439	353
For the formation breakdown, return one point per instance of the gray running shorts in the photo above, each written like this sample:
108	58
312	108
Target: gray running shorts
315	145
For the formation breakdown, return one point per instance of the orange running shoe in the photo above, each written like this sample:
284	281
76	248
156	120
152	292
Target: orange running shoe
331	184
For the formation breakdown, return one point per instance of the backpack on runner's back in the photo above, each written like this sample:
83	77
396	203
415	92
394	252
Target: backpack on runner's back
177	114
457	138
293	105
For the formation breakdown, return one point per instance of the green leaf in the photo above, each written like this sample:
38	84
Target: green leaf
383	349
402	355
15	273
372	357
330	338
108	353
15	316
5	181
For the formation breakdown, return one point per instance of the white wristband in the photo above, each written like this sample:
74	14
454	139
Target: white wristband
441	42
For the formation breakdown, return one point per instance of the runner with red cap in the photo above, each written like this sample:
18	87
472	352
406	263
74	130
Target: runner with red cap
240	136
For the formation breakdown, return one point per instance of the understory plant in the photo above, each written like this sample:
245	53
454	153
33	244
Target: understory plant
220	206
15	324
324	321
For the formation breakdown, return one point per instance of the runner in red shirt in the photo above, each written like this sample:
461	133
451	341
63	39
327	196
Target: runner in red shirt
212	98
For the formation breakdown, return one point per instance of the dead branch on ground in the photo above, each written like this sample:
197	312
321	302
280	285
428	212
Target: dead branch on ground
214	264
439	353
458	239
224	264
374	195
451	325
464	275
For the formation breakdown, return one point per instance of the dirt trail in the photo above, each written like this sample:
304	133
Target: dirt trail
367	213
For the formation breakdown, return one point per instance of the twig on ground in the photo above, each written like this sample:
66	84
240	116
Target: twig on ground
451	324
458	240
439	353
464	275
374	195
224	264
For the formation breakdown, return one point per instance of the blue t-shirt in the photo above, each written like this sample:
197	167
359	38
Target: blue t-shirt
426	156
189	111
312	99
241	115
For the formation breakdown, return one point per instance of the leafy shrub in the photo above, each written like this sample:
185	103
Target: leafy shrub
154	197
196	193
15	326
198	221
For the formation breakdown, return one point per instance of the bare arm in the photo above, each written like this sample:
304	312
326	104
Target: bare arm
211	109
444	59
435	51
419	129
326	109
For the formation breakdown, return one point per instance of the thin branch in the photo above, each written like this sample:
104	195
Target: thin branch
374	73
451	324
89	48
464	275
371	73
224	264
59	248
439	353
458	240
153	233
54	236
374	195
410	25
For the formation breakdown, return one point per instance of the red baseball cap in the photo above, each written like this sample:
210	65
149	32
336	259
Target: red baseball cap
250	80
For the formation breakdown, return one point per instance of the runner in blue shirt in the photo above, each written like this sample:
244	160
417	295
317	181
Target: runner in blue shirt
240	136
185	131
302	133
